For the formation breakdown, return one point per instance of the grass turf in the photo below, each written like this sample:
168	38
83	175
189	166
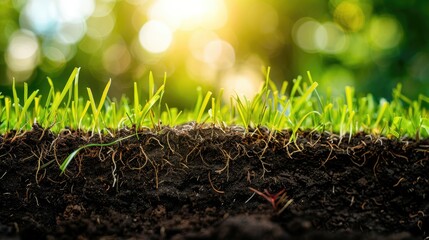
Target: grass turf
295	105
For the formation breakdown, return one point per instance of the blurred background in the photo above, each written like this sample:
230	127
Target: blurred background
371	45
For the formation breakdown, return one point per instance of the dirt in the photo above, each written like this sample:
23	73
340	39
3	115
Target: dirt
203	182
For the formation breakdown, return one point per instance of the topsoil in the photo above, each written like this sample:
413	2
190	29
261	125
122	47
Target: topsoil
204	182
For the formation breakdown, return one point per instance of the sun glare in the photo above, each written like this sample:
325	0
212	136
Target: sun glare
168	16
22	52
245	82
155	36
189	14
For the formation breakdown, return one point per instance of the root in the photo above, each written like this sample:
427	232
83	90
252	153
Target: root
270	137
213	187
168	143
310	142
329	155
202	159
101	155
264	169
399	181
228	158
156	170
140	166
193	149
2	176
156	140
18	135
399	156
364	159
261	156
226	167
53	146
39	161
298	150
79	165
114	175
374	169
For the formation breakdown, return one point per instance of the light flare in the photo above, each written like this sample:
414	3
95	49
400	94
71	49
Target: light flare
155	36
385	32
22	54
219	54
350	16
189	14
244	82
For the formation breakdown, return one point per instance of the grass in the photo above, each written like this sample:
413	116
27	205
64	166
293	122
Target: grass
301	107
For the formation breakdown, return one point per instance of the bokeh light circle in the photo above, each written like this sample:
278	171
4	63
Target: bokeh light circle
330	38
22	52
385	32
244	82
117	59
350	16
189	14
219	54
155	36
304	34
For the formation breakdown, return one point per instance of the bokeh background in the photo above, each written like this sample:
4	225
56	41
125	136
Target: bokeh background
371	45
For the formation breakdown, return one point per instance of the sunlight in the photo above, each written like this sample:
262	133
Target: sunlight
350	16
219	54
385	32
189	14
62	20
304	34
243	82
330	38
155	36
22	51
22	54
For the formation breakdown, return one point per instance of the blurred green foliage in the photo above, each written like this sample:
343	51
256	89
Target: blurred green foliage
371	45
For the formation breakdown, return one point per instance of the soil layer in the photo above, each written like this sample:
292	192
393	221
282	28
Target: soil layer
203	182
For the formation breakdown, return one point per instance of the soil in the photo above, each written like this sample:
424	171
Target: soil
203	182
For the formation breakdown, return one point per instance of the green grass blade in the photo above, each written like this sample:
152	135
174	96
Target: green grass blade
24	109
299	124
70	157
349	98
203	106
15	98
7	106
198	102
92	101
146	108
103	96
380	115
151	85
242	111
96	110
50	94
57	100
310	78
25	92
82	116
303	98
137	114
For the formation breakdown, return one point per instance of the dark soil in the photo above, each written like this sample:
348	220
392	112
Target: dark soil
200	182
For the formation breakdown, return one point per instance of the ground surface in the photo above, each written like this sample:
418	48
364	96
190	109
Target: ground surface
194	182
